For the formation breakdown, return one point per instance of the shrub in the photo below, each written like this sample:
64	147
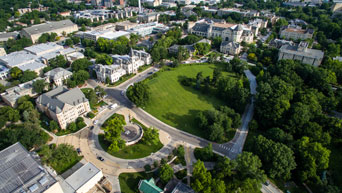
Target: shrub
147	167
90	115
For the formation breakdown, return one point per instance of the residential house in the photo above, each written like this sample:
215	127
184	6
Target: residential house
58	75
63	105
302	53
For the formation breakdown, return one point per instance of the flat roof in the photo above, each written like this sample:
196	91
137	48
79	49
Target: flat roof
114	35
40	48
17	58
82	175
48	27
19	172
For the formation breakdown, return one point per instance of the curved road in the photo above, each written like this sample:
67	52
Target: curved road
230	149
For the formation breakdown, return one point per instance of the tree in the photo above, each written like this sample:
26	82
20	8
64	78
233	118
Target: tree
202	178
218	186
69	42
166	173
249	166
278	159
151	136
16	73
80	64
58	61
80	76
216	76
139	93
313	157
113	130
104	59
28	76
202	48
53	126
39	86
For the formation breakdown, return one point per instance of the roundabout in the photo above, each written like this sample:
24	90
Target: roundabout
132	134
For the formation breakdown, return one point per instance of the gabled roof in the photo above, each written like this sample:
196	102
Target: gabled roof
48	27
149	186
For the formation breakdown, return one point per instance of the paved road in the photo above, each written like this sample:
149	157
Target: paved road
231	149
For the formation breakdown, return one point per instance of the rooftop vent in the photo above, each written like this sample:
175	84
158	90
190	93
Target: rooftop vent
33	188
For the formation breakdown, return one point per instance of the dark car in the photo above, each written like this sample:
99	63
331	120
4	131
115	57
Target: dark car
78	150
92	127
150	73
100	158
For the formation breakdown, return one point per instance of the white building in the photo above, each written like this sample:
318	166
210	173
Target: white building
58	75
148	28
58	27
123	64
302	53
63	105
106	34
35	57
248	13
83	179
257	24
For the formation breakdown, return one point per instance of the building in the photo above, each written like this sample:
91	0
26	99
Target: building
122	64
302	53
106	34
148	28
35	57
296	33
191	48
278	43
153	3
59	27
247	13
148	17
65	13
2	52
20	172
58	75
125	25
149	186
176	186
11	95
6	36
63	105
94	15
231	48
168	4
257	24
227	31
83	179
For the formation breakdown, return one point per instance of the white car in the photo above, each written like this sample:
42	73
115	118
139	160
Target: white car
95	122
113	106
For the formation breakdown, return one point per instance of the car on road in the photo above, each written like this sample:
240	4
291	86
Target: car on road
92	127
95	122
267	182
150	73
100	158
78	150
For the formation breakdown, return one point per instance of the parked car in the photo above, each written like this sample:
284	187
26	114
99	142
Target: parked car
100	158
95	122
92	127
113	106
150	73
78	150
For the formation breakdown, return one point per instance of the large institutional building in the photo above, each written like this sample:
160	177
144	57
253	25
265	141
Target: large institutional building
296	33
20	172
227	31
302	53
58	27
123	64
63	105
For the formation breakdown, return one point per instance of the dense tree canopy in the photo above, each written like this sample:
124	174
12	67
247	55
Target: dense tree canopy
139	93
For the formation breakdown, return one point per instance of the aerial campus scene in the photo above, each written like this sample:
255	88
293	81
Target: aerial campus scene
170	96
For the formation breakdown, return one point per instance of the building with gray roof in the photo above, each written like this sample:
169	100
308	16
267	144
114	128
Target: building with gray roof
58	75
58	27
63	105
232	48
21	173
302	53
11	95
6	36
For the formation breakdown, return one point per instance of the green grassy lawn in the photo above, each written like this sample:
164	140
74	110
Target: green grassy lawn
136	151
129	181
177	105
